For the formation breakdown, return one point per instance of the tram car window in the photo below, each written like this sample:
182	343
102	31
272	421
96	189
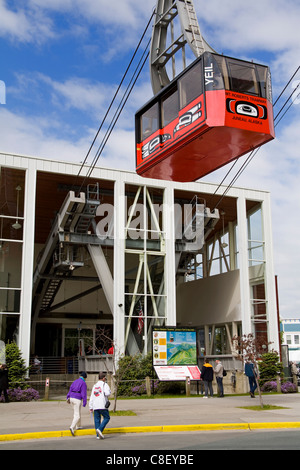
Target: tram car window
169	107
190	85
149	121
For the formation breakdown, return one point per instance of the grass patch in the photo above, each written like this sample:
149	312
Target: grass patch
122	413
264	407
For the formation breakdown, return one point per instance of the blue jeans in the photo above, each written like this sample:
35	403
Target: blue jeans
252	384
220	386
97	419
208	387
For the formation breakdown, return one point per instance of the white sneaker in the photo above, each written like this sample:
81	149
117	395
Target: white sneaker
205	396
99	433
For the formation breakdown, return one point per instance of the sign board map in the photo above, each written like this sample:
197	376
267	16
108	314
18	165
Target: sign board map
175	353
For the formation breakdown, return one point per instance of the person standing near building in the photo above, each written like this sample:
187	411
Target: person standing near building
4	384
98	402
250	373
77	395
207	375
295	372
218	370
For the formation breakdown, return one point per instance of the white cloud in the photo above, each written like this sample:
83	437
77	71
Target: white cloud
271	25
35	136
23	25
37	21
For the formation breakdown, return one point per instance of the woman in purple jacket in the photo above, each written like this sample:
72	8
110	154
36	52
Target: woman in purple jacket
77	395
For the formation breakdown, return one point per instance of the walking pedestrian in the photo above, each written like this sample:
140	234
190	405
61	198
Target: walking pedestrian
77	396
37	365
218	370
98	404
207	375
250	373
4	383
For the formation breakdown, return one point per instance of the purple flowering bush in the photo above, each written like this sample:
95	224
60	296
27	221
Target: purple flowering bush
17	394
141	389
269	386
286	387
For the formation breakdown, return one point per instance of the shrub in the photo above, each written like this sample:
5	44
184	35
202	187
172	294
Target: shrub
141	389
172	388
132	370
16	366
17	394
269	386
286	387
269	367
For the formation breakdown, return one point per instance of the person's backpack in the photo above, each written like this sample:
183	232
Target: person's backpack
224	373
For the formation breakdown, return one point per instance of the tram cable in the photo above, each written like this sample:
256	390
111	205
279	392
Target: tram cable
126	95
254	152
117	115
112	102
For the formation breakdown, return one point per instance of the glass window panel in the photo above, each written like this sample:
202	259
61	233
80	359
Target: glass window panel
11	228
9	328
170	108
256	253
134	305
255	231
10	300
191	85
12	184
263	74
220	341
156	306
242	77
10	264
221	73
155	277
134	273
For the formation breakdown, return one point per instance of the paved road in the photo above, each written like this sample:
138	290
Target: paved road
184	443
186	423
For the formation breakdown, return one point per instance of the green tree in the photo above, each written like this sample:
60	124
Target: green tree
249	348
16	366
132	371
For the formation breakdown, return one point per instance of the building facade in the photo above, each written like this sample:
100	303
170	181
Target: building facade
290	329
120	253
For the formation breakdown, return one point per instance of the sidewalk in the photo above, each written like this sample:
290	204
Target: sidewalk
52	419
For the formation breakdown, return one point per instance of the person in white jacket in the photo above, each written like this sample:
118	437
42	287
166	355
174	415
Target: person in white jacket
98	400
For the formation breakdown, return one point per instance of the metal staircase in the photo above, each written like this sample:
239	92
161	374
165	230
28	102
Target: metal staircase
88	215
62	253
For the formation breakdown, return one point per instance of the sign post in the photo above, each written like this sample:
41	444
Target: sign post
47	386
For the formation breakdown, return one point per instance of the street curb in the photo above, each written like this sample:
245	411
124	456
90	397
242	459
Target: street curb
145	429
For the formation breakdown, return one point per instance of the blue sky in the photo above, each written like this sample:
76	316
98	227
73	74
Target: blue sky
62	61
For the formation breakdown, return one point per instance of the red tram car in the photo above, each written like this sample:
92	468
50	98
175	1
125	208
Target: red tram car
215	111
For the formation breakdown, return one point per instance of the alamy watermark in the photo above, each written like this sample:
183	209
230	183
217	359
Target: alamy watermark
145	222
